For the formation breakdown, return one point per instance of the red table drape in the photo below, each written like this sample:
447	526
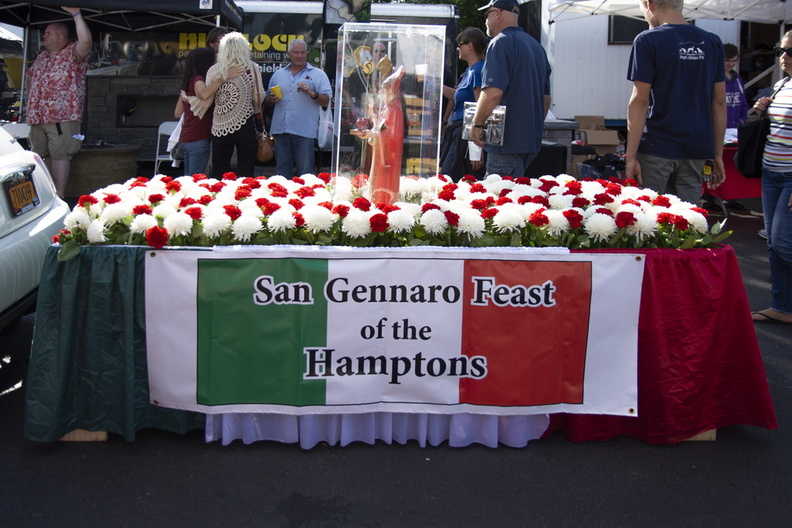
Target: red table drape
699	363
736	185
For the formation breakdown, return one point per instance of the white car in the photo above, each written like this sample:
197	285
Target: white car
31	213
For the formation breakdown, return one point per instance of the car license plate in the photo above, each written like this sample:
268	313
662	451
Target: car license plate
21	192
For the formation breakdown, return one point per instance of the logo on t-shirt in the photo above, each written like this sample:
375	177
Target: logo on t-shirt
691	51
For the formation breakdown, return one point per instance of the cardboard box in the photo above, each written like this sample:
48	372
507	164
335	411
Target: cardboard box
592	131
576	160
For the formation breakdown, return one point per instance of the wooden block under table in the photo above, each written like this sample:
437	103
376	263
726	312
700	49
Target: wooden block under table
81	435
706	436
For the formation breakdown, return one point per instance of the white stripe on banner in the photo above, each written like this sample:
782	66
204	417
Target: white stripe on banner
501	333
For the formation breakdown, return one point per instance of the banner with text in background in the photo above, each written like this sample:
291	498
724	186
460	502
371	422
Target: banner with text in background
300	330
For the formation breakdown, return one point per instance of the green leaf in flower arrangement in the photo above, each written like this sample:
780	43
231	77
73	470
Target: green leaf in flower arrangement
516	239
722	236
689	242
484	240
717	227
68	251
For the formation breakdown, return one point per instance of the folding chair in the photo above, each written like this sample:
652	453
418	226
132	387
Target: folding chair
166	128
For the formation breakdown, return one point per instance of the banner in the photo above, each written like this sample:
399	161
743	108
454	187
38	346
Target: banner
303	330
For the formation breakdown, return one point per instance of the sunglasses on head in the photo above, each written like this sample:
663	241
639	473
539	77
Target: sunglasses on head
781	51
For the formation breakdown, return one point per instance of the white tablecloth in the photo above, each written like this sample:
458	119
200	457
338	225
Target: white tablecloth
458	429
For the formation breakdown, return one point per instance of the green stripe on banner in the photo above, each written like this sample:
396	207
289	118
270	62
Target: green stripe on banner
254	318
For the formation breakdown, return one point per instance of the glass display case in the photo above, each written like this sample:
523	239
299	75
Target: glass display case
388	93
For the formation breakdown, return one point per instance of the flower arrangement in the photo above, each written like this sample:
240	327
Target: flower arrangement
319	209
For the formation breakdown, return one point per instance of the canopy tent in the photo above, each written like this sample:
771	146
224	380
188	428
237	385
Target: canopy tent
762	11
10	44
124	15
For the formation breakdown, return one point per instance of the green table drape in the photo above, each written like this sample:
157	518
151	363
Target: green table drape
88	360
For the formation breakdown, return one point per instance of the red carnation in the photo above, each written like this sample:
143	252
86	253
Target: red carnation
543	200
539	219
157	237
469	178
613	188
326	205
379	222
522	180
296	203
173	186
428	207
574	218
324	176
486	214
141	209
446	195
86	200
217	187
580	202
603	198
155	198
140	181
452	218
253	183
305	192
604	210
359	181
199	176
229	176
341	210
625	219
205	199
361	203
662	201
194	212
242	192
504	200
299	180
478	188
186	202
388	208
111	198
478	204
299	221
269	208
547	185
232	211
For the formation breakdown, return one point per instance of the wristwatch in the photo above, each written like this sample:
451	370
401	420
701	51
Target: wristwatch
315	96
477	126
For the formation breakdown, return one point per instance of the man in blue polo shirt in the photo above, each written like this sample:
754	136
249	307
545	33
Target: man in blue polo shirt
516	74
295	118
676	116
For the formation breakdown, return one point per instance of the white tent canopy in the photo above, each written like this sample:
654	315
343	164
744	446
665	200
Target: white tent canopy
762	11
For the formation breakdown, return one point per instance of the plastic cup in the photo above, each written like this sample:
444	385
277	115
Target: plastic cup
276	91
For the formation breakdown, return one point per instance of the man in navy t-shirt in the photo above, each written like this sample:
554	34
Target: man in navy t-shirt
676	117
516	74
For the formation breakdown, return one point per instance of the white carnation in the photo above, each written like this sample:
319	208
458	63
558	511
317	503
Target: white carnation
113	213
508	219
434	221
471	223
142	223
557	222
317	218
401	221
356	224
215	223
178	224
281	220
644	227
600	226
77	218
246	226
95	231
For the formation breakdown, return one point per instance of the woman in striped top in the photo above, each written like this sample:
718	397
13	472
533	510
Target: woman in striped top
777	191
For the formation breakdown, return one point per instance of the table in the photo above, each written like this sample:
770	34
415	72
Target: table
736	185
700	367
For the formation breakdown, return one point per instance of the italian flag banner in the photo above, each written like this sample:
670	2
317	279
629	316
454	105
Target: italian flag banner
307	330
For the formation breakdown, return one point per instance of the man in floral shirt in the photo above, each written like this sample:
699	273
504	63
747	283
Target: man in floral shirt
57	93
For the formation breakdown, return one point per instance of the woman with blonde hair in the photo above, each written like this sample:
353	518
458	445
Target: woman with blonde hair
236	99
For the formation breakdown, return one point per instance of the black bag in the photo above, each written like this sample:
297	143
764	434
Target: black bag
751	139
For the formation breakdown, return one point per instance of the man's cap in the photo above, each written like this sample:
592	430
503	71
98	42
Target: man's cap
506	5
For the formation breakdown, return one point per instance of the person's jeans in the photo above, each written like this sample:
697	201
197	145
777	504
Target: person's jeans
776	190
509	164
196	156
294	151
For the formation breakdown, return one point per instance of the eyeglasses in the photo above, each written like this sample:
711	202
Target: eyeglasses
487	13
781	51
460	44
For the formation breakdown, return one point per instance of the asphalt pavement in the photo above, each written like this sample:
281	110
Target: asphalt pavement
163	479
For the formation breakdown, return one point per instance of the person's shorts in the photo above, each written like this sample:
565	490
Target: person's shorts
55	139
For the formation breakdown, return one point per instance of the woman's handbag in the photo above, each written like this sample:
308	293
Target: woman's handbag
265	150
751	139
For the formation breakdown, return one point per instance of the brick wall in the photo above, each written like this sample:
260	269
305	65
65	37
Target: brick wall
101	109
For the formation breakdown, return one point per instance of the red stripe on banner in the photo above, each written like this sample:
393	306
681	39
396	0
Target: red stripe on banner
542	306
